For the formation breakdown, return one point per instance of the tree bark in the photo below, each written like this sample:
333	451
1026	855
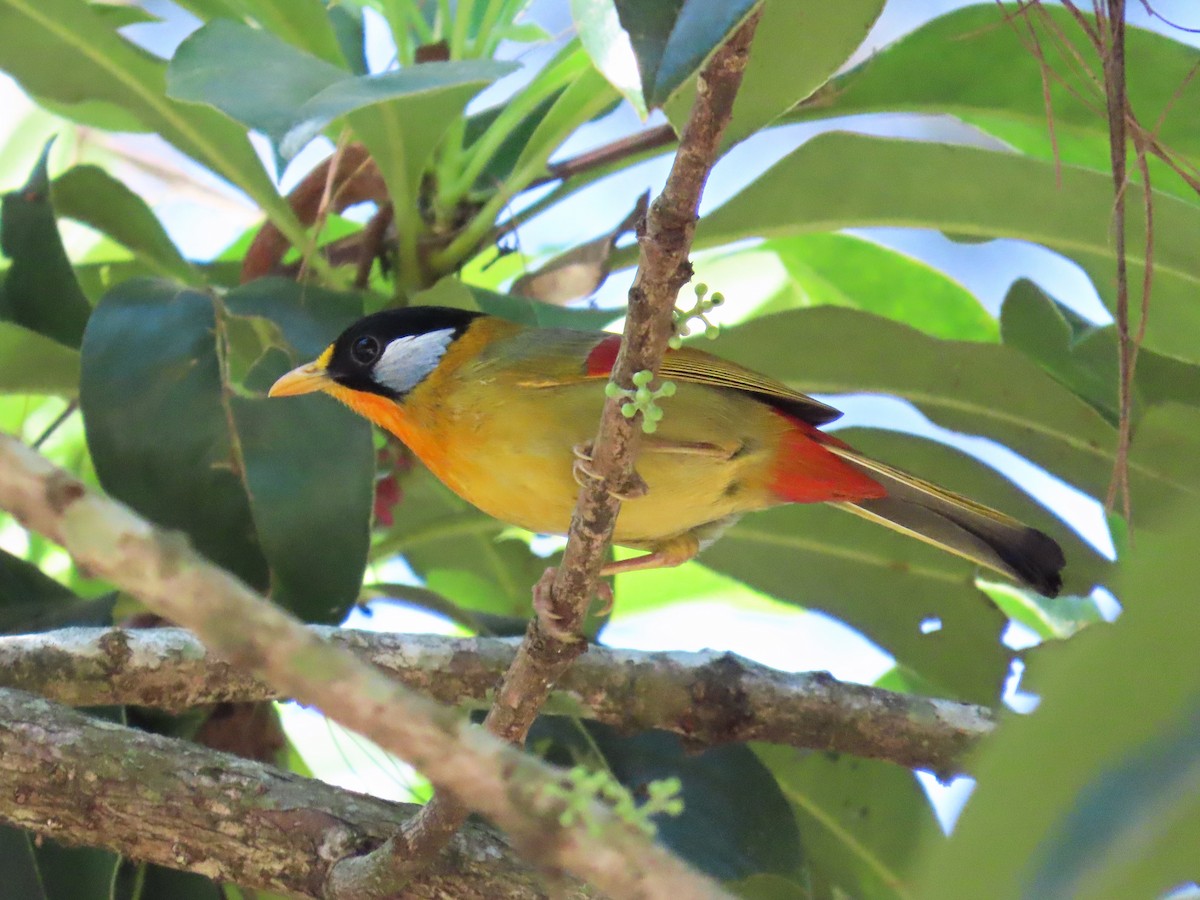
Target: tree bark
80	780
706	698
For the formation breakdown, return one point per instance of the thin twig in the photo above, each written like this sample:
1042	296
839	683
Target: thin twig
56	424
663	269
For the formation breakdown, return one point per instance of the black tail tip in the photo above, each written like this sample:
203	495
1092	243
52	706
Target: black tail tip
1038	560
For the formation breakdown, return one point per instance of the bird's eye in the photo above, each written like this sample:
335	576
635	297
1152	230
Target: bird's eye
365	350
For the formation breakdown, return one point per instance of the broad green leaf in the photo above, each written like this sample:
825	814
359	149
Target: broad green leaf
348	28
440	89
583	98
309	462
843	270
969	387
461	553
798	45
304	23
1118	815
672	39
31	601
543	315
37	35
157	422
979	64
734	823
863	822
1051	335
43	869
887	585
215	64
1083	357
33	364
39	290
279	492
309	471
609	47
19	864
1050	618
88	194
840	181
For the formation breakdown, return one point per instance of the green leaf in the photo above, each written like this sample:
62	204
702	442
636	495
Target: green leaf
309	463
864	823
439	88
734	824
586	95
797	46
33	364
672	39
977	63
278	492
157	422
1118	815
1051	335
88	194
19	864
305	23
842	270
1050	618
1083	357
31	601
609	47
543	315
215	62
39	291
37	35
887	585
309	470
841	181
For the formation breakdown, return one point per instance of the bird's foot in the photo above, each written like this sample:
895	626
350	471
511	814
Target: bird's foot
631	488
549	619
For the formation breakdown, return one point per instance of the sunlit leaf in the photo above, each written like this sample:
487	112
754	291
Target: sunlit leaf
797	46
1117	815
841	181
672	38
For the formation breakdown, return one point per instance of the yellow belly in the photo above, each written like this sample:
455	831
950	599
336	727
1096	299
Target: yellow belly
514	460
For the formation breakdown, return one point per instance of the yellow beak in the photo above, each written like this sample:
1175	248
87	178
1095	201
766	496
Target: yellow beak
302	380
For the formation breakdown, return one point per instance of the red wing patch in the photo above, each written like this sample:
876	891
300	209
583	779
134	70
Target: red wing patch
805	472
603	357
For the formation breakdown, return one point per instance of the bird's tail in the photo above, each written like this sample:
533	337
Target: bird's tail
954	523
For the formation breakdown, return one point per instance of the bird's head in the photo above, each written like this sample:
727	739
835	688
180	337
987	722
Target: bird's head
384	355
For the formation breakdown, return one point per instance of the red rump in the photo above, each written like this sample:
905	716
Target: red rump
805	472
603	356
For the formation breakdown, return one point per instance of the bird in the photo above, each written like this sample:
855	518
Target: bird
502	414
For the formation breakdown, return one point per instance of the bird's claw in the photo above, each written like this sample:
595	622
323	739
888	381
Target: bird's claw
631	488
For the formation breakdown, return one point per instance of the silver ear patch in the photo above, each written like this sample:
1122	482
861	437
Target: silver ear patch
408	360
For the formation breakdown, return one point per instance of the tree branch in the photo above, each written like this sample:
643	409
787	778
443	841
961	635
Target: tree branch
663	268
706	698
84	781
110	541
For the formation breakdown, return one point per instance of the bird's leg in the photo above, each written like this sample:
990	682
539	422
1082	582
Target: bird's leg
672	552
543	605
632	488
